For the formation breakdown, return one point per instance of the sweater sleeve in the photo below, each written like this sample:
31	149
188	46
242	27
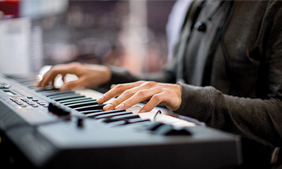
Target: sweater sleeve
122	75
253	118
256	118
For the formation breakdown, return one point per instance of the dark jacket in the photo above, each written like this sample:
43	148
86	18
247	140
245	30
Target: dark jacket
232	71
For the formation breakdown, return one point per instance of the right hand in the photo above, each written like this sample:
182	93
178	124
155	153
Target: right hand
88	75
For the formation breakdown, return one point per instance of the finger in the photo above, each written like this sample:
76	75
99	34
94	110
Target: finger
125	95
153	102
63	77
53	83
44	80
138	97
117	90
73	84
113	85
54	71
49	76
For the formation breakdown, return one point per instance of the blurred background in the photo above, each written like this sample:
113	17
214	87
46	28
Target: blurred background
127	33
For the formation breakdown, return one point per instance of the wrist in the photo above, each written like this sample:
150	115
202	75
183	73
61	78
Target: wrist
107	74
179	97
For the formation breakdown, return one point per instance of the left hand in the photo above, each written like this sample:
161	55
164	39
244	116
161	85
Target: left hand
130	94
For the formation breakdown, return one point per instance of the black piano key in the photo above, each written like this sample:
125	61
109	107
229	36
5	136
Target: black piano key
61	95
31	85
54	93
91	111
105	116
77	101
51	90
39	90
121	118
91	107
26	81
137	120
142	122
70	101
67	97
93	114
131	122
64	95
93	102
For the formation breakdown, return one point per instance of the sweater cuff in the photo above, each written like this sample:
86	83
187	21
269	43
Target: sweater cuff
196	102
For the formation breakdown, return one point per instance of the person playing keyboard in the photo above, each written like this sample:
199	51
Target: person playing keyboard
226	72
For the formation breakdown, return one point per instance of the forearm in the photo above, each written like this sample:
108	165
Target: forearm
253	118
121	75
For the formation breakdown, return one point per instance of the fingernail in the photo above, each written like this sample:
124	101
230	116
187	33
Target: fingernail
120	106
142	111
112	86
100	100
108	107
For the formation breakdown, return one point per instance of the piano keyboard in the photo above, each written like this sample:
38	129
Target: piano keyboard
84	102
53	128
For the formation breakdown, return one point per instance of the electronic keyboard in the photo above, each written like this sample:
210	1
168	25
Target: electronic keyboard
49	128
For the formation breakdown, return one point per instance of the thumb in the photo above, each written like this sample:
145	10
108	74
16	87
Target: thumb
71	85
